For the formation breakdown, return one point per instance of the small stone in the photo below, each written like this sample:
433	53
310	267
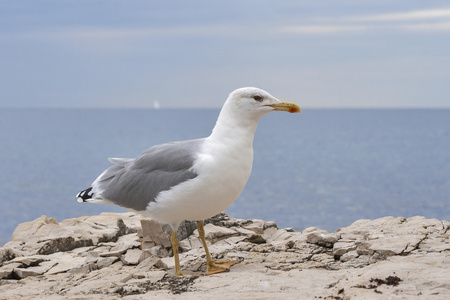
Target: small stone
349	256
244	231
268	233
160	264
131	257
152	231
364	249
105	262
255	239
155	276
29	261
270	224
147	245
92	257
148	263
214	233
34	271
322	238
340	248
113	253
126	242
256	226
145	254
185	230
7	270
159	251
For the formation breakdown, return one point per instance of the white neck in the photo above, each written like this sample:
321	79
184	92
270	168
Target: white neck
230	126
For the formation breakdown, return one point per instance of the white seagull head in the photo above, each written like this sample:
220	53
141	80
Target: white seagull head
254	103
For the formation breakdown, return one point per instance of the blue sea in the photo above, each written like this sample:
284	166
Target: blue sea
324	168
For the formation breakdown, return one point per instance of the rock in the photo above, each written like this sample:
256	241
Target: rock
100	257
23	273
164	264
105	262
340	248
144	255
193	242
65	264
92	257
256	239
215	233
133	290
257	226
349	256
322	238
6	254
159	251
148	263
6	271
83	269
185	229
46	236
26	262
132	257
116	253
153	234
41	227
63	244
156	276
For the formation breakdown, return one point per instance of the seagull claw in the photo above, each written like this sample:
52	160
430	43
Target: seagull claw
219	267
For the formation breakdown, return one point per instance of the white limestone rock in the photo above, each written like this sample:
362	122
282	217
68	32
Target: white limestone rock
132	257
322	238
315	264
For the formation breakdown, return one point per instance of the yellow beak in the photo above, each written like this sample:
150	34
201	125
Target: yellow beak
286	106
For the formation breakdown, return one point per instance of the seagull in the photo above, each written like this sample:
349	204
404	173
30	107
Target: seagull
193	179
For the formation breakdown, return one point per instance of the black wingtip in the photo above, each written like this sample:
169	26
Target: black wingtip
85	195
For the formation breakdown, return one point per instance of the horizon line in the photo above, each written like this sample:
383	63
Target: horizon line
218	108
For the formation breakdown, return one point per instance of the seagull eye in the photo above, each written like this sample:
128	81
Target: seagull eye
257	98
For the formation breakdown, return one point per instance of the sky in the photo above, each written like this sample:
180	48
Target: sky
192	54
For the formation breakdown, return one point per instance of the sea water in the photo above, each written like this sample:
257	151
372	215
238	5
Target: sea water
324	168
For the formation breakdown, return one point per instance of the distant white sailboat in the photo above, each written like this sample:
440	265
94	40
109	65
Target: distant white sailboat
156	105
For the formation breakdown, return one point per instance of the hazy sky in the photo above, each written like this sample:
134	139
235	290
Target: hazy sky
349	53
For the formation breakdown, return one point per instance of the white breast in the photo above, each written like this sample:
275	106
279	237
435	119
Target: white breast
223	169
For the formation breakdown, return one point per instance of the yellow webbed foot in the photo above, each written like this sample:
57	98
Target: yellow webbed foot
219	267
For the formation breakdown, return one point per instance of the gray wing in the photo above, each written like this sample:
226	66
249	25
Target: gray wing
133	183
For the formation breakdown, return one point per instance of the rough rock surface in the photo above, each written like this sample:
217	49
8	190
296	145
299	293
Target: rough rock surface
106	257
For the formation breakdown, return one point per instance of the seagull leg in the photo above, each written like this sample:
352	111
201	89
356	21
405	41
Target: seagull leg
212	266
174	240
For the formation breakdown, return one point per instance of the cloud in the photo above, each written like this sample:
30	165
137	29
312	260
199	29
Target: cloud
426	14
419	20
441	26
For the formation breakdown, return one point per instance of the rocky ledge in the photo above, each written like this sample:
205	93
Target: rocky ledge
109	257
